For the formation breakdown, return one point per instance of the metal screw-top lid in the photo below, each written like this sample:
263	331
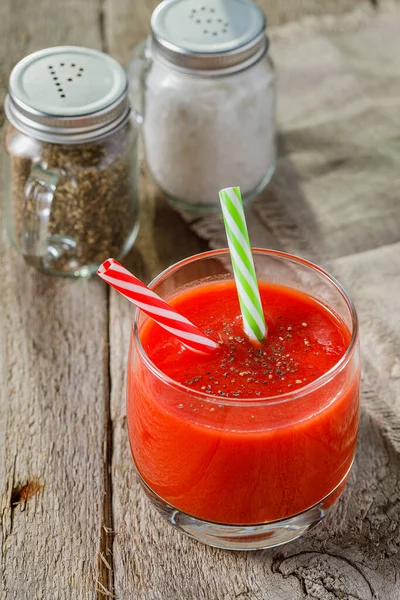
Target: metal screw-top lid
209	34
67	94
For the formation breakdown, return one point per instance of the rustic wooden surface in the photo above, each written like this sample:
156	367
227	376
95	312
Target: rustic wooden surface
54	381
74	523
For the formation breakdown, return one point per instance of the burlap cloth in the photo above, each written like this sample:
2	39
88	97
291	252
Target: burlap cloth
336	186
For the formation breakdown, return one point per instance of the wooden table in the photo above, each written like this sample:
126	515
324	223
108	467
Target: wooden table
74	523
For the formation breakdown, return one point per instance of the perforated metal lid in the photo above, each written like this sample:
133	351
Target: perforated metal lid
67	94
209	34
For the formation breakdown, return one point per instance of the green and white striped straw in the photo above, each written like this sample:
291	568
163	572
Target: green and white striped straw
242	263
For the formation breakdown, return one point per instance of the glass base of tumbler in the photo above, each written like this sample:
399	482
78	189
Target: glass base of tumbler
245	537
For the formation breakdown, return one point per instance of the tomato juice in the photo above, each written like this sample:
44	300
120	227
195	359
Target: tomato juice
252	433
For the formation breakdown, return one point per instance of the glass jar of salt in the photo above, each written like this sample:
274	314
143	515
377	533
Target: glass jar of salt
203	88
71	160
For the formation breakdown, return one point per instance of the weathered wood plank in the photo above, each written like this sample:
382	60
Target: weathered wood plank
54	392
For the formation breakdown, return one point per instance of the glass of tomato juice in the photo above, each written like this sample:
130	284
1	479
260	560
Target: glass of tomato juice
251	446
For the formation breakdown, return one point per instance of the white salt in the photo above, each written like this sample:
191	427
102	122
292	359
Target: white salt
204	133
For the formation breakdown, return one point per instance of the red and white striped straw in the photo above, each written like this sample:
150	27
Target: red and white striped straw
141	296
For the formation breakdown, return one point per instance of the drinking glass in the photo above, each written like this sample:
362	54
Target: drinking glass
245	474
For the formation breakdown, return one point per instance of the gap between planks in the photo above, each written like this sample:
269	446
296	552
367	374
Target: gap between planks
105	583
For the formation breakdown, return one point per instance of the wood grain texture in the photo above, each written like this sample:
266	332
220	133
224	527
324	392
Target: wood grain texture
54	363
54	368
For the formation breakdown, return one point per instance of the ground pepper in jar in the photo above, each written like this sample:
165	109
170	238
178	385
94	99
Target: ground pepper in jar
93	211
72	159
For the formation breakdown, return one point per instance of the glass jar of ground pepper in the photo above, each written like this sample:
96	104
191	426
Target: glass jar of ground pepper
73	162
